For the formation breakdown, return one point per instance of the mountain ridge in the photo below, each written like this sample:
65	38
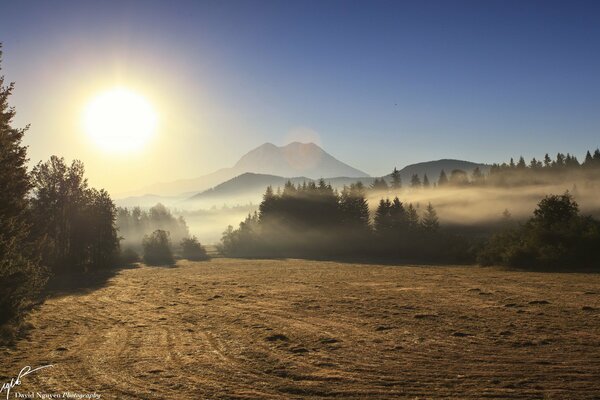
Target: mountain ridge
293	159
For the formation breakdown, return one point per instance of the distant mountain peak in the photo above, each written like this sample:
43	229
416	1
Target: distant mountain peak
294	159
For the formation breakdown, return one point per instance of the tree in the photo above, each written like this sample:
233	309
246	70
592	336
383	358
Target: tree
557	236
75	224
380	185
459	177
191	249
426	183
443	179
555	210
157	248
478	177
398	217
430	221
382	219
588	159
20	276
354	207
547	161
396	180
412	217
415	181
521	164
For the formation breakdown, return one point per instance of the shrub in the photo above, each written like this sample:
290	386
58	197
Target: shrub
157	248
557	236
128	256
191	249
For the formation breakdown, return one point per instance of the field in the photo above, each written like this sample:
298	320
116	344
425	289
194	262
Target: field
253	329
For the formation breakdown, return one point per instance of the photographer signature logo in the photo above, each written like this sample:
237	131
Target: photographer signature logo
8	386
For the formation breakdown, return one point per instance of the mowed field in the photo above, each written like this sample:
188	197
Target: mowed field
278	329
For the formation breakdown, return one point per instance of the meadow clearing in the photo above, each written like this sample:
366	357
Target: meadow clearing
270	329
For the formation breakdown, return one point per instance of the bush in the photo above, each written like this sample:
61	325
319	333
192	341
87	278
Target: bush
157	248
191	249
128	256
557	236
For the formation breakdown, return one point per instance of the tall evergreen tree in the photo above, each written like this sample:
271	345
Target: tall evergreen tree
588	159
426	183
396	180
478	177
415	181
382	220
20	277
430	221
412	217
443	179
547	161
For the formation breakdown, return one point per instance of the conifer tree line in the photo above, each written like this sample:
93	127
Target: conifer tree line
562	167
313	219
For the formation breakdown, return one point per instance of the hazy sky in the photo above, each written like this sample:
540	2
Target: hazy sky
378	84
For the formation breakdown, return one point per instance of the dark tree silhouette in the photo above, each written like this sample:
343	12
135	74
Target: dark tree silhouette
157	248
74	223
379	185
20	276
191	249
443	179
415	181
430	221
396	180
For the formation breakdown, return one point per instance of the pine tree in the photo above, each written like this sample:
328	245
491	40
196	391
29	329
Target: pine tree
20	278
521	164
430	221
547	161
396	180
478	177
415	181
588	159
412	217
382	219
426	183
443	179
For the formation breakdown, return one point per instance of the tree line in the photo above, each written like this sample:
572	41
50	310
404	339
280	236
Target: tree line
53	224
314	220
547	170
51	221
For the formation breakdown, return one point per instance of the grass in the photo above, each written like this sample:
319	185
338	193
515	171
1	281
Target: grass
232	328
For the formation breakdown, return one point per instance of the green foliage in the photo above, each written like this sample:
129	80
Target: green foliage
396	180
21	278
314	221
191	249
133	224
157	248
556	237
128	256
74	224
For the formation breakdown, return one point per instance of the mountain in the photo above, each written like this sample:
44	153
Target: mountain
434	168
249	187
294	159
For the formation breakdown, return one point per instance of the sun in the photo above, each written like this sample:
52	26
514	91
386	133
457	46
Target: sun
120	121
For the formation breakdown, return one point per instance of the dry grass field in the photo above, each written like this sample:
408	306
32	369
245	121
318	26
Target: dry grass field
274	329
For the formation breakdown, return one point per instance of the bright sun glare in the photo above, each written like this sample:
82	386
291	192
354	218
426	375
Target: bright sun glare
120	120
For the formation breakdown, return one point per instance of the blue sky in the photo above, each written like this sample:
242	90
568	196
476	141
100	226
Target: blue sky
379	83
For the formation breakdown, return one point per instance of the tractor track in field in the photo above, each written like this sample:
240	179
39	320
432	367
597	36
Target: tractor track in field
278	329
